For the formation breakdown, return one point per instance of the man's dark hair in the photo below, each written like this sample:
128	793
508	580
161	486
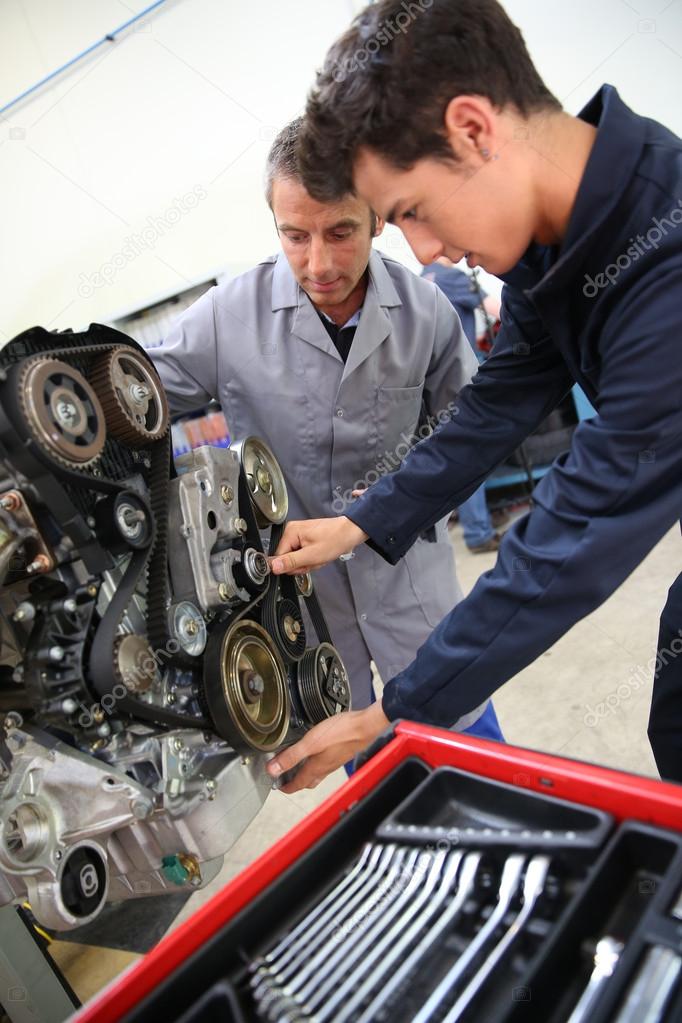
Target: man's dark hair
387	81
282	162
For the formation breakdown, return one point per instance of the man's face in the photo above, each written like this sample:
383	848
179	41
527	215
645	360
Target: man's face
471	209
327	244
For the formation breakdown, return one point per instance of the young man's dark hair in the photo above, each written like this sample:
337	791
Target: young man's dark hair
400	64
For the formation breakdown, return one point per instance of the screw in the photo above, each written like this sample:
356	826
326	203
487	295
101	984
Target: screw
104	730
40	563
178	744
191	626
69	604
98	715
241	525
69	706
92	590
141	808
170	698
256	685
140	392
56	653
223	591
227	493
211	785
10	502
25	612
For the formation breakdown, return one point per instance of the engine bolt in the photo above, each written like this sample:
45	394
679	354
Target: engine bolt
104	730
223	592
256	685
40	563
98	715
211	785
227	493
25	612
139	393
56	653
69	604
10	502
69	706
178	744
241	525
92	590
141	808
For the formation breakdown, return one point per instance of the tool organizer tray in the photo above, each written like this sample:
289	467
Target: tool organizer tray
443	895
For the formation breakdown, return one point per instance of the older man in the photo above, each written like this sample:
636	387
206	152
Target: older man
337	357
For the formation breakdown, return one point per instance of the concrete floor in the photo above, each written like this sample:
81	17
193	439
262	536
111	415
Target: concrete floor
552	705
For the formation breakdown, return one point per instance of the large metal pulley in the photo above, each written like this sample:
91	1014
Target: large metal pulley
246	688
323	683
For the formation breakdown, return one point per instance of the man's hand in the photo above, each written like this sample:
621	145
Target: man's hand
329	745
313	543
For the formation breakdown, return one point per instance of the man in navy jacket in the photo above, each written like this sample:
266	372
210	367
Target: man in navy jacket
582	218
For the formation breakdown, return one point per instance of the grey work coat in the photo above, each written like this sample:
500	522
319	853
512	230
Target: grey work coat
257	345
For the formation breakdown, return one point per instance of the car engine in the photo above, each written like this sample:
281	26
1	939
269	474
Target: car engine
150	664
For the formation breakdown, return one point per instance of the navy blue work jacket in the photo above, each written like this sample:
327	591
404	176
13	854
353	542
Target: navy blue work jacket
604	309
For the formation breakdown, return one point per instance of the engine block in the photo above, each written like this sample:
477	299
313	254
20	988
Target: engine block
149	662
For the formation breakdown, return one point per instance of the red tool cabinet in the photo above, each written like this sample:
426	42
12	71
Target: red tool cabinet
154	985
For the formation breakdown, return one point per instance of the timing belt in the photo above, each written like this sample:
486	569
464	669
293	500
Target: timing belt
154	558
286	583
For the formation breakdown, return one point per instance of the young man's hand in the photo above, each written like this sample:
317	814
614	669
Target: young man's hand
313	543
329	745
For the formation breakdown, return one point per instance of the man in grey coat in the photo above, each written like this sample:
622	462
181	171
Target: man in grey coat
337	357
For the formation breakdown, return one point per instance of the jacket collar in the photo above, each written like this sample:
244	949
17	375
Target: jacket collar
616	152
373	328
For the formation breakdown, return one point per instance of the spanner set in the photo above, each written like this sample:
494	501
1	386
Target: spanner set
442	895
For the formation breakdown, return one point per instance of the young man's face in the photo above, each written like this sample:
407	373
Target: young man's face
327	244
473	208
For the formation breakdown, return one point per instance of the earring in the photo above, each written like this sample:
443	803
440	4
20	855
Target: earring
485	153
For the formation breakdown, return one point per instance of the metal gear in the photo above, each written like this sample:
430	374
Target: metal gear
134	663
61	411
132	396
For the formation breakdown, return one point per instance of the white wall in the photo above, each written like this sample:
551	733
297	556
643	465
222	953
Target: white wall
163	136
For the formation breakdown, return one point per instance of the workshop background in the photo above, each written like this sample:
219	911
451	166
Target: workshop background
186	102
137	175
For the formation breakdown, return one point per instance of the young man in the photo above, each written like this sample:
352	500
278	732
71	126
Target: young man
448	131
302	351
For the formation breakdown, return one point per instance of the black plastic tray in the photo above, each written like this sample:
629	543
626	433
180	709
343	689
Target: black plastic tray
624	885
466	809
